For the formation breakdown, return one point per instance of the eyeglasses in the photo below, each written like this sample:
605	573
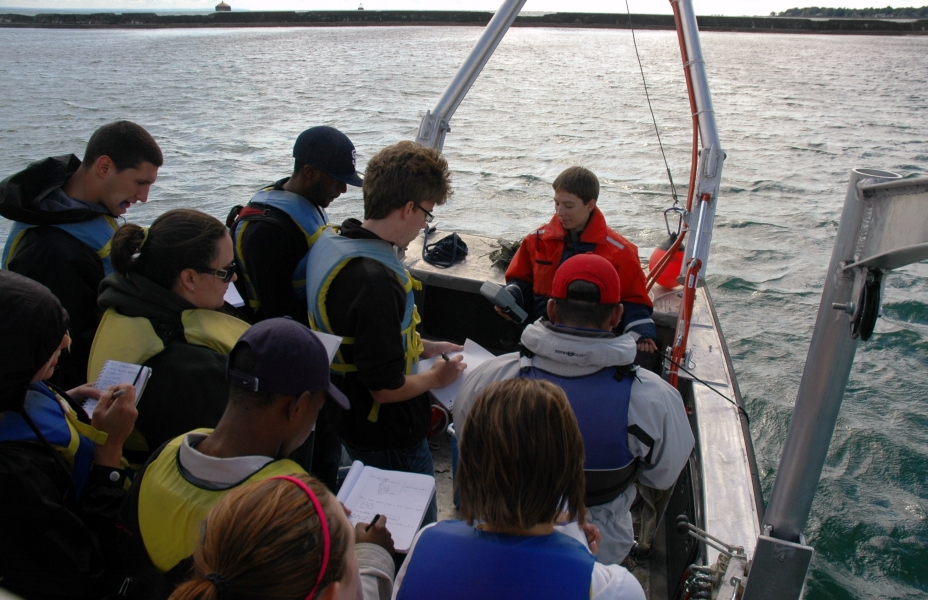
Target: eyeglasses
429	217
225	275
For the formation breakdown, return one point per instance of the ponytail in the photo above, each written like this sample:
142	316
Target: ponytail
126	243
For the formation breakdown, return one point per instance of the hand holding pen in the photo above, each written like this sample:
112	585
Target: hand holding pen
375	532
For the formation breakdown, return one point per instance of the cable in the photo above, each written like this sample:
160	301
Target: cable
673	189
733	403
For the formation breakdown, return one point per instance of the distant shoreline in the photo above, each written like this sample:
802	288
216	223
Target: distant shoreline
360	18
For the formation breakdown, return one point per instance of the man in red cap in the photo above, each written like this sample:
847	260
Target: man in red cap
633	423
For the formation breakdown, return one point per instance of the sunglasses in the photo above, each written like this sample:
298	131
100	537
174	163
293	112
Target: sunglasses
225	275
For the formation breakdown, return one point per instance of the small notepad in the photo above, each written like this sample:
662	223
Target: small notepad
115	372
401	497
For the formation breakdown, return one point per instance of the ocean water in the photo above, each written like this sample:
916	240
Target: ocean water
795	112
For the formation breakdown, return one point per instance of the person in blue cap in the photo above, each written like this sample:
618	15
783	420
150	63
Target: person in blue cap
279	378
274	231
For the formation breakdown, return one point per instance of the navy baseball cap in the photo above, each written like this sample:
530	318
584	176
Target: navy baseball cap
289	359
329	150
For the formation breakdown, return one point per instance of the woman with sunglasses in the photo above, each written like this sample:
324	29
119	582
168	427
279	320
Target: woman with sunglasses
165	309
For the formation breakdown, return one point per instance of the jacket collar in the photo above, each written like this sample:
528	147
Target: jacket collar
557	345
595	232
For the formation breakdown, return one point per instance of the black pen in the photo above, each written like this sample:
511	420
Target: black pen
373	521
445	357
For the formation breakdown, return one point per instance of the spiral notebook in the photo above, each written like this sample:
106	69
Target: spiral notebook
115	372
402	497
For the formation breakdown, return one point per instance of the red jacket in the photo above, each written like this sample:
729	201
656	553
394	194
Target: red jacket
539	256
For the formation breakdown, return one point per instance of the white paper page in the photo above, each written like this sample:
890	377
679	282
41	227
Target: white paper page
233	297
350	479
114	373
401	497
474	356
331	343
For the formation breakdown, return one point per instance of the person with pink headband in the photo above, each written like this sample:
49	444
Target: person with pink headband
286	537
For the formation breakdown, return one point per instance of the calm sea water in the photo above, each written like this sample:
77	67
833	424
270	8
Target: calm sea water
796	113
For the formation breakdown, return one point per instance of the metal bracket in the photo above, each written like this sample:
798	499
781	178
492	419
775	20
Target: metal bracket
778	570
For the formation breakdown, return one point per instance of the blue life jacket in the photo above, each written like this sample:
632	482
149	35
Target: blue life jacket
600	402
327	258
60	427
96	234
455	561
310	220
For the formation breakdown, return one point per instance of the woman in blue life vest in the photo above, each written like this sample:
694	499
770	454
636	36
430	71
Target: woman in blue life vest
60	473
287	537
165	309
520	471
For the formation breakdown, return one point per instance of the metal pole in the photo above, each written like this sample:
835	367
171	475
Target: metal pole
435	123
827	368
711	157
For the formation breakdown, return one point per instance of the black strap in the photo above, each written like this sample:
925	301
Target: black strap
445	252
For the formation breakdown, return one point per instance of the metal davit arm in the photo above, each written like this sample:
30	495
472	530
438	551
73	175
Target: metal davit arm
435	123
702	200
884	225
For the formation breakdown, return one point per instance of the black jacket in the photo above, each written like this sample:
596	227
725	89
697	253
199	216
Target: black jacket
53	257
51	546
188	387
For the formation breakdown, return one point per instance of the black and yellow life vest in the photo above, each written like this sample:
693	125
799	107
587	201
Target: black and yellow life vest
171	505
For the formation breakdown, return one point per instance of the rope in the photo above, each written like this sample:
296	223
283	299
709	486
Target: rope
733	403
673	189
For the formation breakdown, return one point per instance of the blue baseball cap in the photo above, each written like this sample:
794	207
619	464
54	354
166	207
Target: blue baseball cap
329	150
289	359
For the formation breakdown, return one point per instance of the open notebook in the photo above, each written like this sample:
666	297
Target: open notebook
115	372
402	497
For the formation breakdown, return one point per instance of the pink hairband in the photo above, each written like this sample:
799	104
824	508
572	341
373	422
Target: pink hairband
326	544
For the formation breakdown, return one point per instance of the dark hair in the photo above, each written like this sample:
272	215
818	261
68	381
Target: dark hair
179	239
582	307
32	327
128	145
401	173
264	540
578	181
521	456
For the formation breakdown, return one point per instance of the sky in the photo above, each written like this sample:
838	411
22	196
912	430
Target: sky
703	7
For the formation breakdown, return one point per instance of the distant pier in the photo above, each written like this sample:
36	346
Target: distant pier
356	18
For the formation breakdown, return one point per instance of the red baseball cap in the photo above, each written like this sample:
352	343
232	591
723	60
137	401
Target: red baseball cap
592	268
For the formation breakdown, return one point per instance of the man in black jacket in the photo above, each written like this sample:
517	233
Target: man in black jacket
63	212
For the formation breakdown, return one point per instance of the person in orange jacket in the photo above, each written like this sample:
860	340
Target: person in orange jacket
578	227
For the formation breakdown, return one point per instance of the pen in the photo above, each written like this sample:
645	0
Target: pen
445	357
118	393
373	521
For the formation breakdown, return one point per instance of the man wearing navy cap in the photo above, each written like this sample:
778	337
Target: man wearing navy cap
278	374
274	232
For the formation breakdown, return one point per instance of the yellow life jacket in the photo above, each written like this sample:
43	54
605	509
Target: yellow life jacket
133	340
171	507
328	257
